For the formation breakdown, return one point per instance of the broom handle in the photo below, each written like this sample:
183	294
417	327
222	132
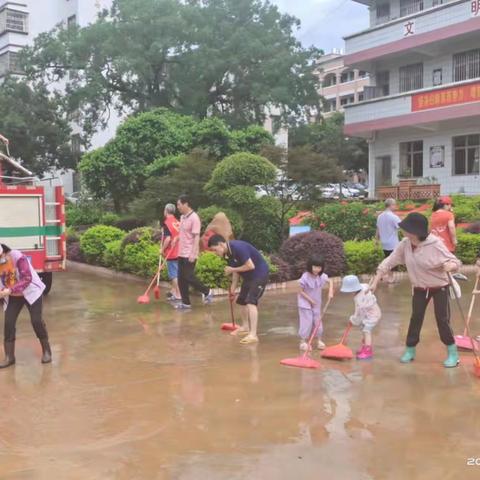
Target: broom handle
472	303
154	279
317	326
345	334
467	328
231	308
160	257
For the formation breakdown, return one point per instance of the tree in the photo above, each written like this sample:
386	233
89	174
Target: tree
39	134
327	137
228	58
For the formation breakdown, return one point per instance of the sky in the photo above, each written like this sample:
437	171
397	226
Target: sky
325	22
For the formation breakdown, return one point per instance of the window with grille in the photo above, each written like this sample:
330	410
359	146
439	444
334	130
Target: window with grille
411	159
407	7
411	77
347	77
466	155
347	100
9	63
383	83
330	80
13	21
466	65
383	13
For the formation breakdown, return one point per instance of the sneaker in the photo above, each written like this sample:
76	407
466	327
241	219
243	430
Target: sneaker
174	299
320	345
208	298
303	346
182	306
366	353
169	295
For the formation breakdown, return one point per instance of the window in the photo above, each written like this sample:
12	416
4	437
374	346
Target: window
360	97
362	74
331	105
13	21
407	7
437	2
9	64
383	13
466	155
330	80
411	159
437	77
466	65
347	77
411	77
347	99
383	83
71	21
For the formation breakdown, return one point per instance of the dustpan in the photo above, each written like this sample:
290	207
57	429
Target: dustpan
339	351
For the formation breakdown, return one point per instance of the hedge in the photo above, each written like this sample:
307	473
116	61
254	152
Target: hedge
362	257
468	247
93	242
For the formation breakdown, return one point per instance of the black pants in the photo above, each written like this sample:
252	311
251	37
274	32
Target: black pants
187	278
420	301
15	305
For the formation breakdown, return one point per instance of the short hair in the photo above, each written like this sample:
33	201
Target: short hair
170	208
215	240
389	202
185	199
315	261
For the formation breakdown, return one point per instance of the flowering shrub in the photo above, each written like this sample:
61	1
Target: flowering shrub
348	221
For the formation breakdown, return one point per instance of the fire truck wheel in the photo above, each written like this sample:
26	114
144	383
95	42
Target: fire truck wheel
47	279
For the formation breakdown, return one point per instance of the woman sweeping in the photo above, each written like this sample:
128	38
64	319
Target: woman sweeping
428	262
20	285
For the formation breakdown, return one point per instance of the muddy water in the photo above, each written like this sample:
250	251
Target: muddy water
143	392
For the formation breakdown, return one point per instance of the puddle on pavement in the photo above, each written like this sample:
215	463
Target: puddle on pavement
144	392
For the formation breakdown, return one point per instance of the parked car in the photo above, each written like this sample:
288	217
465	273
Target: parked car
76	197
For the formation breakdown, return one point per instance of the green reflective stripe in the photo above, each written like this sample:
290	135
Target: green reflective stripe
48	231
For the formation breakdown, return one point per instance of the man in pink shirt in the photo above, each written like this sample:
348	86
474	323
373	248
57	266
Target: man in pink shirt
188	250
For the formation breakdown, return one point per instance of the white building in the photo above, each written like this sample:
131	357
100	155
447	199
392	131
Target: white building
421	113
339	85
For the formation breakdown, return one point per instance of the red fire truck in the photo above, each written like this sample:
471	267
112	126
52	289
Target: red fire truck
32	218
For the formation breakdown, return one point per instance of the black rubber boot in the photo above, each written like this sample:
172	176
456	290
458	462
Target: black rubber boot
47	353
9	348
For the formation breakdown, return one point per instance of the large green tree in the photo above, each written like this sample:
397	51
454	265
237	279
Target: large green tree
32	120
327	138
228	58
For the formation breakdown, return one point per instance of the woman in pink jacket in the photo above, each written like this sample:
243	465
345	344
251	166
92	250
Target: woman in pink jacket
428	262
20	286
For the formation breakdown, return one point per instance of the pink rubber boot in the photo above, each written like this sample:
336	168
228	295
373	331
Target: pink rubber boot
366	353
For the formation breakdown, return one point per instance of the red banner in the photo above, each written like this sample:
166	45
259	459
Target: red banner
446	97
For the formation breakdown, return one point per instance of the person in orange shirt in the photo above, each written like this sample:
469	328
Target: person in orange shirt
443	223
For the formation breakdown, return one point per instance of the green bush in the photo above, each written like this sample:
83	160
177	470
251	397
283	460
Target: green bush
207	214
86	213
348	221
362	257
210	271
468	247
95	239
466	209
109	219
141	258
112	255
72	235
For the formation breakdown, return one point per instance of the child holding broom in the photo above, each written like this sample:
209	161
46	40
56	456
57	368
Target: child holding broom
367	312
310	301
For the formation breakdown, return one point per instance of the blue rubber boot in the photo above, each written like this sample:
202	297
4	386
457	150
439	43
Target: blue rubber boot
409	355
452	360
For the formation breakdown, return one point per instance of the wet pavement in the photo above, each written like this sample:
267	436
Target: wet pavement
143	392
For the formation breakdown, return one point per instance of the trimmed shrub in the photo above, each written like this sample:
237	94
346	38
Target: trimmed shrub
112	255
95	239
466	209
283	271
129	224
207	214
109	218
348	221
141	258
74	252
87	213
210	271
362	257
468	247
72	235
298	249
146	234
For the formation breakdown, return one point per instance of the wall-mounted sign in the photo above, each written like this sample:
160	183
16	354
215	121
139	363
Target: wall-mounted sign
475	8
437	156
409	28
446	97
437	76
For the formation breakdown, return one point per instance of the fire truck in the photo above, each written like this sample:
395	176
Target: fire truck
32	218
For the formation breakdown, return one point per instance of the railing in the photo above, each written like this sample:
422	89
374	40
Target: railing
409	190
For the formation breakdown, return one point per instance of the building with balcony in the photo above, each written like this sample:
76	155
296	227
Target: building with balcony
339	85
421	112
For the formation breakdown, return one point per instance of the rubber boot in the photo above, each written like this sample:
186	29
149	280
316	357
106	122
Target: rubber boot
9	348
409	355
47	353
452	360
